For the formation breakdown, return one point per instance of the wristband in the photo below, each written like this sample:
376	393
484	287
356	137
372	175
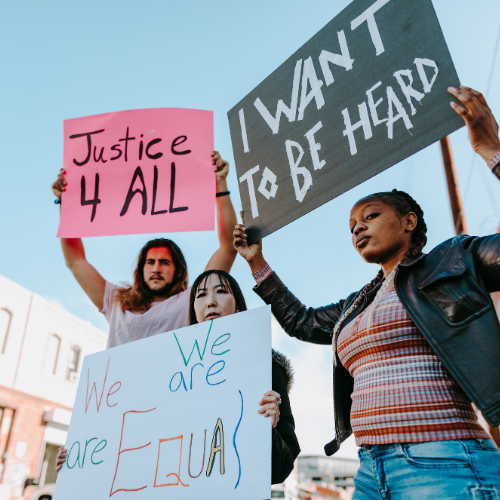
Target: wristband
57	201
222	193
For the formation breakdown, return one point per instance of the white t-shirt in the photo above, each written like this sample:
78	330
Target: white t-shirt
128	326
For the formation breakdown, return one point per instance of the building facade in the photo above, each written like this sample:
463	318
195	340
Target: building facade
41	352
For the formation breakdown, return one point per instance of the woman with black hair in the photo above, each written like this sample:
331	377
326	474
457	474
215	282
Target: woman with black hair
414	347
216	294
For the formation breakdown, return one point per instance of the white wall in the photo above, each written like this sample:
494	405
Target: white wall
35	319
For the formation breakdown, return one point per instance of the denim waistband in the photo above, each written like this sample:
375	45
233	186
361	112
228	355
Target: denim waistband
468	443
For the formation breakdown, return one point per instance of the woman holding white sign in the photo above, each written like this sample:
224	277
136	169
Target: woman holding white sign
215	294
414	347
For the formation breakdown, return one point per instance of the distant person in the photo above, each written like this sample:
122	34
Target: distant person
414	347
158	299
215	294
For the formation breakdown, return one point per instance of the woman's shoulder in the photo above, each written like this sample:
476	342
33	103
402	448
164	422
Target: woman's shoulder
285	365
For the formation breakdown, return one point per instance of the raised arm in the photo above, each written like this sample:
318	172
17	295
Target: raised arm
483	135
89	279
482	126
309	324
224	256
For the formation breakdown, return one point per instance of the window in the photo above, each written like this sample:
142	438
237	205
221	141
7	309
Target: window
48	474
5	321
52	355
74	358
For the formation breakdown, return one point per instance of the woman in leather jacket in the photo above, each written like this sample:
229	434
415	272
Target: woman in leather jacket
215	294
414	347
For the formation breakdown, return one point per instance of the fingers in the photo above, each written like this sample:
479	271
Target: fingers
477	94
472	99
270	397
242	217
459	109
61	458
218	162
60	184
271	411
273	393
239	233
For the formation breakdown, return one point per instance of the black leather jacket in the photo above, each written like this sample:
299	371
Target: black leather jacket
446	294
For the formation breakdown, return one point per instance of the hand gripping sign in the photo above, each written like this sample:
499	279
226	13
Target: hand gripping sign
175	416
140	171
364	93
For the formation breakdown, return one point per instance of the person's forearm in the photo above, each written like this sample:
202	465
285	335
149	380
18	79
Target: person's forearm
73	250
257	263
226	217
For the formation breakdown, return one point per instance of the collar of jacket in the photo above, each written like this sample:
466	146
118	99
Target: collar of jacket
414	261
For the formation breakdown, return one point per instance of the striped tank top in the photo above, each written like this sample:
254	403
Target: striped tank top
402	391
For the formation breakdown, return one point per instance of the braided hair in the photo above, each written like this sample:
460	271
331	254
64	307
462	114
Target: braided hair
403	203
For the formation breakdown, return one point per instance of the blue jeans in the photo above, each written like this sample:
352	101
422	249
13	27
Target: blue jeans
435	470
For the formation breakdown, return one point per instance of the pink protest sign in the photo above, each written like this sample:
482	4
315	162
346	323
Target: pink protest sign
140	171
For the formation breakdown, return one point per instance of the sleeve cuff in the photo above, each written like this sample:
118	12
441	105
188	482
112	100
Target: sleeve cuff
264	273
268	286
494	165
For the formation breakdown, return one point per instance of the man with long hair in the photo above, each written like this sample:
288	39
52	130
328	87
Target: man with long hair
158	299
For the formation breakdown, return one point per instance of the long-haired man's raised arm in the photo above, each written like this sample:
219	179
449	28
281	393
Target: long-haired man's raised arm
74	254
224	256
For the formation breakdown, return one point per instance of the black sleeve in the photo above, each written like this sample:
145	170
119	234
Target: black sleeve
285	447
486	251
310	324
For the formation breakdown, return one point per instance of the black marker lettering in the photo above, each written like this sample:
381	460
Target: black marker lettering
152	143
141	145
177	142
172	193
155	187
89	145
100	156
94	202
132	192
126	139
116	148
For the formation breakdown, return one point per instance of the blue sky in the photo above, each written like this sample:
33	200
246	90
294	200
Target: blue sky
64	59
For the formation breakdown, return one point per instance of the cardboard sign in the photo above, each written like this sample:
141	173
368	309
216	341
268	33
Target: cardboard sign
364	93
175	416
141	171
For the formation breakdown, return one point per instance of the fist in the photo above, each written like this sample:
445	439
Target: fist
59	185
482	126
270	406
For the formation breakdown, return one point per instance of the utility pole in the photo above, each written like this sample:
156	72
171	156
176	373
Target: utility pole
461	226
451	179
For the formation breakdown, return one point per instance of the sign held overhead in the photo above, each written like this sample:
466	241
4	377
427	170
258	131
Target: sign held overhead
364	93
140	171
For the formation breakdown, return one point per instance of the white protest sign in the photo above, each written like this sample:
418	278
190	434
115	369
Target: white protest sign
175	416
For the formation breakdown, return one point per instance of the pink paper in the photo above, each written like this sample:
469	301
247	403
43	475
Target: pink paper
160	136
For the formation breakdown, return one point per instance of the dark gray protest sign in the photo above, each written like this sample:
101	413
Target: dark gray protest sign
364	93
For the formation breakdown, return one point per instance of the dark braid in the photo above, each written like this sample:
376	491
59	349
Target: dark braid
403	203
